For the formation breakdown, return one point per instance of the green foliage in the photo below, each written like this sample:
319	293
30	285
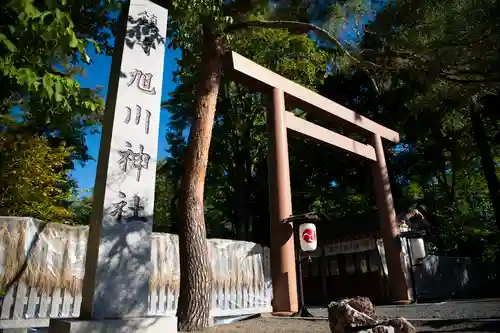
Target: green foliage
437	164
431	59
81	210
452	41
224	20
237	171
44	111
165	200
272	35
34	178
42	45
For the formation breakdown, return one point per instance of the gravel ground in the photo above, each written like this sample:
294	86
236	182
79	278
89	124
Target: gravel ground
449	310
453	309
469	326
292	325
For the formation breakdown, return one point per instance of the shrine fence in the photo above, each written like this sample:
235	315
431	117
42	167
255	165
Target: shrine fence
46	261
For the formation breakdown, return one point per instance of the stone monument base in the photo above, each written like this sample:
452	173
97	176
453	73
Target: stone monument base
125	325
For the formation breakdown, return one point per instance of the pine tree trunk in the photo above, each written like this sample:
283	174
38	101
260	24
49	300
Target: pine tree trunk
193	311
487	162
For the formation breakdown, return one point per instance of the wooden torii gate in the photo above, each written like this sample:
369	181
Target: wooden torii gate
286	92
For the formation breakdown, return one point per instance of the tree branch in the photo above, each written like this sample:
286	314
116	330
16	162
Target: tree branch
14	99
454	78
296	27
457	74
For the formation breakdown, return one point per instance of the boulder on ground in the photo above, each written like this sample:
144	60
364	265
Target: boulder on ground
401	325
358	315
362	304
341	316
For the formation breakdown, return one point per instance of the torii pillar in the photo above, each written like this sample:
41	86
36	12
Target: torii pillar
285	300
398	285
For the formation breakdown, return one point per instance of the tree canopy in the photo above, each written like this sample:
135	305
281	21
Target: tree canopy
438	62
43	50
34	182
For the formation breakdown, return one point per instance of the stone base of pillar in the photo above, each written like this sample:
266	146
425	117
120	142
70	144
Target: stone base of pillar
283	314
136	325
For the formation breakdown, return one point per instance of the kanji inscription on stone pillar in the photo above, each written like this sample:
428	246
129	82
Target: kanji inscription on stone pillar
118	263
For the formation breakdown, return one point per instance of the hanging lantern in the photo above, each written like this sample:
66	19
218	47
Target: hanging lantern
308	239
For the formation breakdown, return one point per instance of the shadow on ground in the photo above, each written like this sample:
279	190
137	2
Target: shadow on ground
462	325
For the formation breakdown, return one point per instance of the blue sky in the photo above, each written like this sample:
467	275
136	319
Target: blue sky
97	74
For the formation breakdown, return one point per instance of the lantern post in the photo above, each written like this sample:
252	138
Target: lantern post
305	224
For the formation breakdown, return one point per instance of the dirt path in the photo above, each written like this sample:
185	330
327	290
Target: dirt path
272	325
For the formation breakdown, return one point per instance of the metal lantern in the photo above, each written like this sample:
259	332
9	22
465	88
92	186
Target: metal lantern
308	243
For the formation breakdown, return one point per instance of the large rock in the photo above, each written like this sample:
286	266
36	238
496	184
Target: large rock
358	315
362	304
401	325
342	317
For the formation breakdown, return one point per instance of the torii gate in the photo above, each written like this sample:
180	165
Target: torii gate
279	120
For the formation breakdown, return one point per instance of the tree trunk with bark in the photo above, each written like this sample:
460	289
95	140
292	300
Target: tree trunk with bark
487	162
193	311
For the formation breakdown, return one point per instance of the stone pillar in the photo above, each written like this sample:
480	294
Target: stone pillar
280	199
399	290
118	261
